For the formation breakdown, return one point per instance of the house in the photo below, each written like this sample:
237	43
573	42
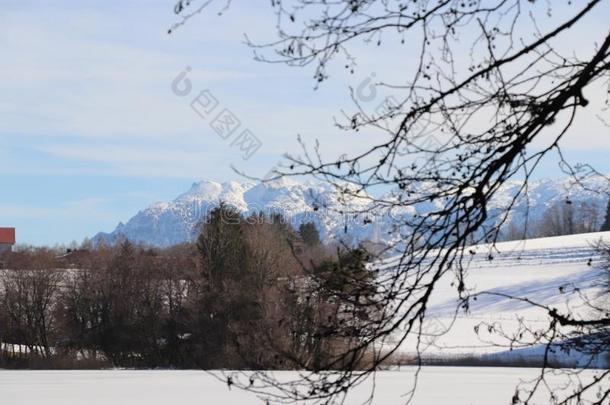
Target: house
7	239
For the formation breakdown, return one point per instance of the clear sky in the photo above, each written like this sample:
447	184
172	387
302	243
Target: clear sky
91	131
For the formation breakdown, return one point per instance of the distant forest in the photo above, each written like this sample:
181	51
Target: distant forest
251	293
562	218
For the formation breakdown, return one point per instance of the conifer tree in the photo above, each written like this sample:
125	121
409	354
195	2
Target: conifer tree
606	225
309	233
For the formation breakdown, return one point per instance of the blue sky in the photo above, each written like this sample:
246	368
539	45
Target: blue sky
91	131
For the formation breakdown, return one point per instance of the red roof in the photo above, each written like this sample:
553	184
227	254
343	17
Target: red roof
7	235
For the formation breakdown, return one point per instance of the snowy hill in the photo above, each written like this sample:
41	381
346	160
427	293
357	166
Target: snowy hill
563	272
169	223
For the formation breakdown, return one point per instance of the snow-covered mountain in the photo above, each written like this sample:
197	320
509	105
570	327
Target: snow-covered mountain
169	223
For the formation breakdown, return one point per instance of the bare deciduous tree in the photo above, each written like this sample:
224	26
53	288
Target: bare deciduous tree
28	300
496	86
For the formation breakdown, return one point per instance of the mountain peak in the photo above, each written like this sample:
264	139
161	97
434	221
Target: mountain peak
169	223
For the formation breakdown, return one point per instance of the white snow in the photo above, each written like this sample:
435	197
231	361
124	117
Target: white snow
169	223
533	269
436	385
164	224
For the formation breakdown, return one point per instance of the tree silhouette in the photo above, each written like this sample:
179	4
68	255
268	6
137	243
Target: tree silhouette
494	90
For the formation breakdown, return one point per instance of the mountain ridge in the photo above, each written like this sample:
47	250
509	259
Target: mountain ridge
168	223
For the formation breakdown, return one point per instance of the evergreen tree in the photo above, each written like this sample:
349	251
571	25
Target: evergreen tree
222	247
223	255
606	225
309	233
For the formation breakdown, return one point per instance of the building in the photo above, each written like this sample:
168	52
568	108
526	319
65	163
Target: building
7	239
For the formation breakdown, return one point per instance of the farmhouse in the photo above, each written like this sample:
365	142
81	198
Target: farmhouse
7	239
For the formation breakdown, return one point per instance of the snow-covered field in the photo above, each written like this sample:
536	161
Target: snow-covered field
533	269
436	386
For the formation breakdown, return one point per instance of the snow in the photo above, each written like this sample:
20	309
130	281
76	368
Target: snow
436	385
533	269
168	223
584	240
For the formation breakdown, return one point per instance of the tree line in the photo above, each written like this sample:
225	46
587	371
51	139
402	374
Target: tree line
251	293
562	218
